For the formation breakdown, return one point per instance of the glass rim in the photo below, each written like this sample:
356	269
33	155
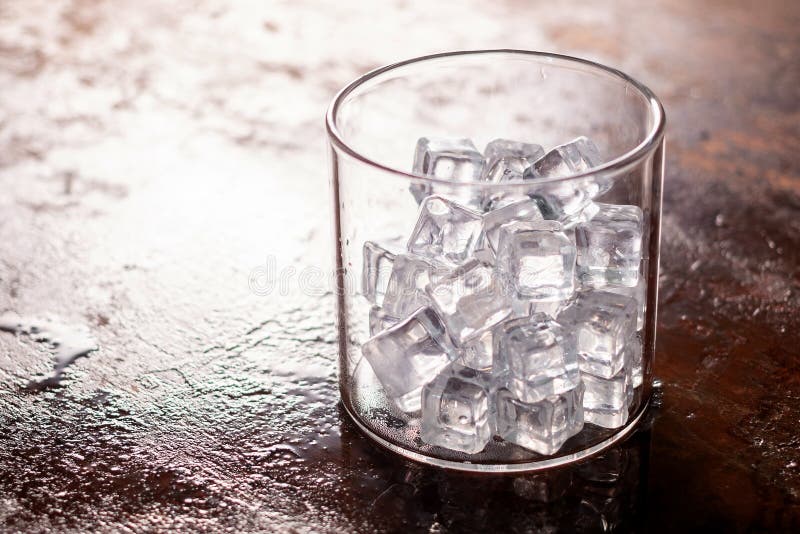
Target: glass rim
613	166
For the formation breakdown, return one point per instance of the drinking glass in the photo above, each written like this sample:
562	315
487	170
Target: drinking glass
373	126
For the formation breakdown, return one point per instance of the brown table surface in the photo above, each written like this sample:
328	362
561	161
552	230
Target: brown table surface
154	155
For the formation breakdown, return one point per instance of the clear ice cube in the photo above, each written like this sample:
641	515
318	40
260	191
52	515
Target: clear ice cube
456	410
506	160
537	260
447	159
406	290
478	352
469	300
610	393
535	358
601	323
564	200
377	269
637	293
541	426
610	246
521	210
408	356
379	320
575	157
445	232
606	400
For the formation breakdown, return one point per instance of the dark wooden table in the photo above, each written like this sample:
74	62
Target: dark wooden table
157	158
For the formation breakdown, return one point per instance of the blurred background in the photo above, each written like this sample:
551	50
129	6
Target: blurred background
163	192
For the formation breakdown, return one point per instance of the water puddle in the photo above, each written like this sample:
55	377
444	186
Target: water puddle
66	342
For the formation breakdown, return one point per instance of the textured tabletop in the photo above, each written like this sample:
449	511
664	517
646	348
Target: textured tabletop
161	162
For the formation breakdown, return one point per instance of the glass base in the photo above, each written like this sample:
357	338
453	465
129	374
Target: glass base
546	462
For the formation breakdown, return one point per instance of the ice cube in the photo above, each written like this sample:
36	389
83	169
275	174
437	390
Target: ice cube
601	323
521	210
447	159
506	160
576	157
610	393
407	356
637	293
535	358
406	290
379	320
563	200
537	260
445	231
541	426
610	246
478	353
606	400
377	270
456	411
470	300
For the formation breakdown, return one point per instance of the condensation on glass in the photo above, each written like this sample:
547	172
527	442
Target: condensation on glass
374	126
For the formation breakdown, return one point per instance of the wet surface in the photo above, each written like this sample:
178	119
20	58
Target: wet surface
67	343
162	163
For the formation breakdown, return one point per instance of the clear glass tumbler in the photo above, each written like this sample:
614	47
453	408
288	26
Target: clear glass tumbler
374	125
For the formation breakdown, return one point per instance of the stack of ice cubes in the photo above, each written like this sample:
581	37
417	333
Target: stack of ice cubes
513	314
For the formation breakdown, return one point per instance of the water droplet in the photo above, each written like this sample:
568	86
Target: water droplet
657	383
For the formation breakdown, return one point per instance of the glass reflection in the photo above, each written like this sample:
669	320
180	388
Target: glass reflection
604	494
